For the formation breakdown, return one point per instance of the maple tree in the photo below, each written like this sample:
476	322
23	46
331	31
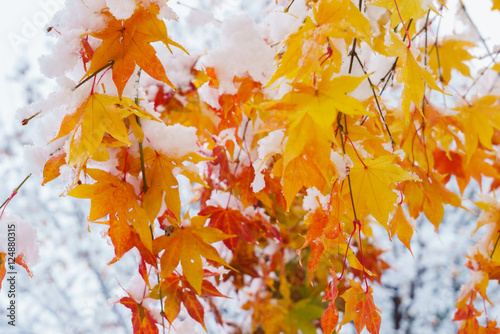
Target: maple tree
306	160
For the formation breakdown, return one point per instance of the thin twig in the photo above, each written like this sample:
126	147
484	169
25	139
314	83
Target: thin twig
110	64
14	192
475	28
379	109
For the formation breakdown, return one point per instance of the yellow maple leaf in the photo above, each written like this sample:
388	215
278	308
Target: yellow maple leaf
496	5
452	54
98	115
479	122
411	74
187	245
310	47
409	9
160	180
330	96
321	105
371	182
414	77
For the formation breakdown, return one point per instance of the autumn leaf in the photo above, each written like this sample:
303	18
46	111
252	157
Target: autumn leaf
311	47
187	245
371	181
415	78
113	196
323	101
428	196
143	321
127	43
452	54
409	9
3	269
330	318
176	289
479	122
300	172
411	74
496	5
161	183
233	222
51	168
100	114
361	308
400	225
124	238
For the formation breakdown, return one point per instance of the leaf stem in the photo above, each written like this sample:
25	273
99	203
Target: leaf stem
141	155
403	23
14	192
355	151
357	222
238	158
475	28
145	190
348	175
93	75
379	109
387	77
347	252
495	247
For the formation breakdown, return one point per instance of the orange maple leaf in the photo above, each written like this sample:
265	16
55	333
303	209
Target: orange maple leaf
142	320
113	196
428	196
51	168
400	225
330	318
230	221
178	290
360	307
124	238
3	269
127	43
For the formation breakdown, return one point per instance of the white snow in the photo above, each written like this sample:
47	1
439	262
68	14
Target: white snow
341	163
314	199
268	146
24	238
223	199
242	52
167	13
121	9
172	140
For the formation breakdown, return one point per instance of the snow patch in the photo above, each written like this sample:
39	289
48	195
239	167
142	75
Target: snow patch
314	199
268	146
25	238
172	140
121	9
341	163
243	52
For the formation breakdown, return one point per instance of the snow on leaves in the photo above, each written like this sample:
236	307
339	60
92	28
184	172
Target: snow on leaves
127	43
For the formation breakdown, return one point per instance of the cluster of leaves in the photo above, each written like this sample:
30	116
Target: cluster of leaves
282	179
